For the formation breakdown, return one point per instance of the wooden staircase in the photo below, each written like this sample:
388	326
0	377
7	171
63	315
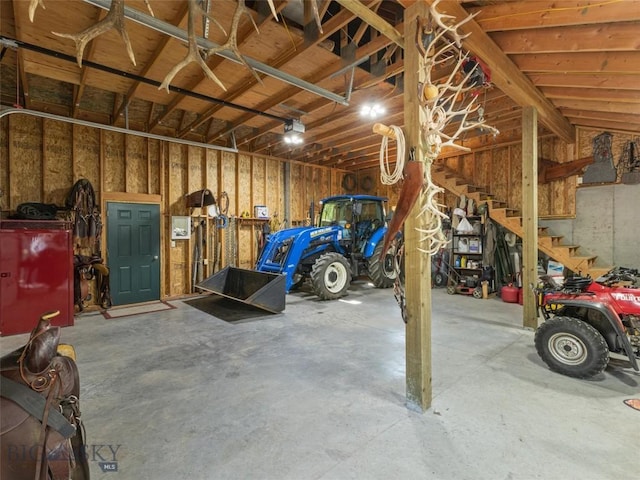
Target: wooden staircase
571	256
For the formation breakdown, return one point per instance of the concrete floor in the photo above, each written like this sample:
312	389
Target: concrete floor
318	392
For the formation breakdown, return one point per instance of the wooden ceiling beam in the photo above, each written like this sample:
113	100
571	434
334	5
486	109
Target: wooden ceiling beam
599	94
158	52
579	80
620	37
328	28
599	106
609	125
576	115
587	62
289	92
368	16
535	14
506	75
244	35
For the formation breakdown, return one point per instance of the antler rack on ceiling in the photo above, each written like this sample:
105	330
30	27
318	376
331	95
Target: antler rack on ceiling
205	44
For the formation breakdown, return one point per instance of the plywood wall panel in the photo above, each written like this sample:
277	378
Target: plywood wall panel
484	171
258	186
154	159
274	177
499	166
229	180
515	174
86	155
136	167
196	169
468	168
57	161
212	165
114	161
324	183
245	193
178	261
298	208
25	160
177	178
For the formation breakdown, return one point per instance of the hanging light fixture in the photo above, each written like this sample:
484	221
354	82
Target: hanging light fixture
293	130
372	110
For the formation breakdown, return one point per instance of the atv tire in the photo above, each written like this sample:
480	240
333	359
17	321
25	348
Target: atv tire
381	270
572	347
331	276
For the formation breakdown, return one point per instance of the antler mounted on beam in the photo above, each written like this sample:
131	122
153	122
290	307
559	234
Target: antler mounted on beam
198	54
232	39
453	100
114	19
33	6
195	53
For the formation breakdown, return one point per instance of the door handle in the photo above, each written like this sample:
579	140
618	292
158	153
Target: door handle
155	257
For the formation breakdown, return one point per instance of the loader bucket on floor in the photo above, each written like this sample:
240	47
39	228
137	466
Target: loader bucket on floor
259	289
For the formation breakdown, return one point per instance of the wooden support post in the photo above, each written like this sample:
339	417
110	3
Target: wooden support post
417	264
529	213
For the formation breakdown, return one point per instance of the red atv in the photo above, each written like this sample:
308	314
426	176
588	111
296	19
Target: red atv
585	320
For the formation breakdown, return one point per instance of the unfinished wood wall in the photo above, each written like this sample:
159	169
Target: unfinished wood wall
41	159
499	169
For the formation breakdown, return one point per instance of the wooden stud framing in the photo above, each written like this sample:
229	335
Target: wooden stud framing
529	212
417	264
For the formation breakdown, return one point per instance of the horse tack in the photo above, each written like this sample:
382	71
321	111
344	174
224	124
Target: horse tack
41	432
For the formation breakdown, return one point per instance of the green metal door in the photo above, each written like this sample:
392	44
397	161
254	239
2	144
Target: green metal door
133	249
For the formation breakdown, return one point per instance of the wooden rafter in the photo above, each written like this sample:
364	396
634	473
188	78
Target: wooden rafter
159	51
526	15
506	75
330	27
370	17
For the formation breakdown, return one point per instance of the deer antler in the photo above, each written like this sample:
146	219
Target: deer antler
442	20
114	19
439	42
194	54
33	5
272	6
232	40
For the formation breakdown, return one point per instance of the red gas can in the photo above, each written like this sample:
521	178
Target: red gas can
509	294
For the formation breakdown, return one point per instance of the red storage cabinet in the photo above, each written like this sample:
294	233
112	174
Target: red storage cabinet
36	274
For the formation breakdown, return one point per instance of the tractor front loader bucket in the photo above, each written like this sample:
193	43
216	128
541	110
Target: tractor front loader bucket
259	289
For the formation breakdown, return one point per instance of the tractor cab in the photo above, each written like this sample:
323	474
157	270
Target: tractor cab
358	216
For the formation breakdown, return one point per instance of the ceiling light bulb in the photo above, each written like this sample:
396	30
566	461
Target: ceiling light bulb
372	111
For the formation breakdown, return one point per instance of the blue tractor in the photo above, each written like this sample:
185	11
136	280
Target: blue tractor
347	243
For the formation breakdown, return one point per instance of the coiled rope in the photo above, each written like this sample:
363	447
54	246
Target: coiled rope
387	177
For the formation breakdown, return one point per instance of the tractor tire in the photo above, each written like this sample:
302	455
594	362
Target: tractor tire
331	276
572	347
381	270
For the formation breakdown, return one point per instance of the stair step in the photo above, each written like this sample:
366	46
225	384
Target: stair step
596	272
511	219
476	189
571	249
581	264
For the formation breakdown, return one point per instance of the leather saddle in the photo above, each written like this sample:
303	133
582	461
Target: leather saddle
41	431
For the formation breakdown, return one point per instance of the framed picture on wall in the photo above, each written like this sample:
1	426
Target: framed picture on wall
180	228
